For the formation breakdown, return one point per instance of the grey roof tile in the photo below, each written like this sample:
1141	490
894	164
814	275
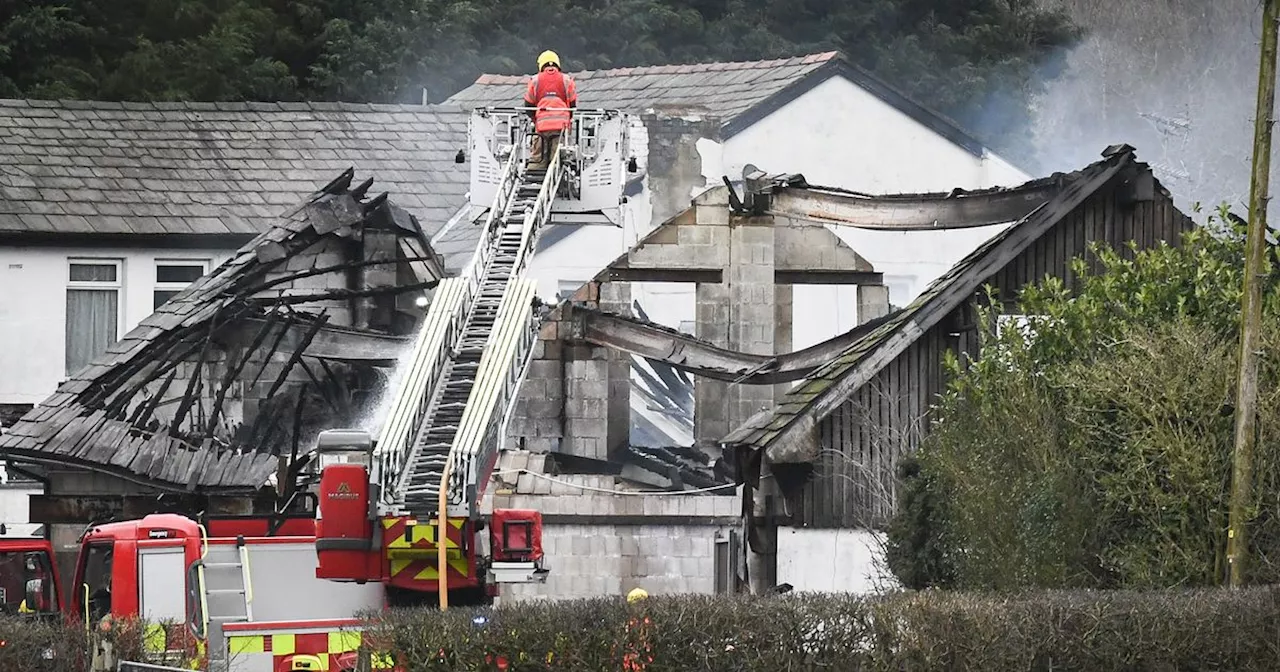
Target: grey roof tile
130	160
637	89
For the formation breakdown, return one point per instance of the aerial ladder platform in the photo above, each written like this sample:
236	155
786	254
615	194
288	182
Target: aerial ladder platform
432	457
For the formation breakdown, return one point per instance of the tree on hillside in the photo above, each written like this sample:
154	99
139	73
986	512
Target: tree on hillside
976	60
1095	451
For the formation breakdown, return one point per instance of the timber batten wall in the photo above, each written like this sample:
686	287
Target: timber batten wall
853	482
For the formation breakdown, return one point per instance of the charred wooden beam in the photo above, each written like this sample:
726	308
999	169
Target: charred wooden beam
234	371
189	397
342	294
298	352
925	212
345	344
247	292
84	509
290	321
827	278
148	407
694	275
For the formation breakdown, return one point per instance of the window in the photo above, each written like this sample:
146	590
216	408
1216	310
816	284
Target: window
95	582
566	288
173	276
93	309
26	578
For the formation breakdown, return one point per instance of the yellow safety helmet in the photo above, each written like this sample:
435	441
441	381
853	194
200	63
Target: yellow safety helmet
546	58
637	594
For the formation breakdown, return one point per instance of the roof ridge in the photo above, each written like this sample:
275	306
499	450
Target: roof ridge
678	68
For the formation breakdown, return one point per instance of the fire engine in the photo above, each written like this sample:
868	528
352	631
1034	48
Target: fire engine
398	517
28	576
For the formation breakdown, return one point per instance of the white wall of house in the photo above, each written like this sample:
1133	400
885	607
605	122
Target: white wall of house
833	561
39	290
15	507
836	134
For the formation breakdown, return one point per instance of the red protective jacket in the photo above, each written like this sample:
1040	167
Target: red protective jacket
554	94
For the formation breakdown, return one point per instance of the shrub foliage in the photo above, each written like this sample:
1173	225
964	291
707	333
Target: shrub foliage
931	630
1090	446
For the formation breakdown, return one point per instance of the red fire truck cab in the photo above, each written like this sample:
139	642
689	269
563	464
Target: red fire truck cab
28	576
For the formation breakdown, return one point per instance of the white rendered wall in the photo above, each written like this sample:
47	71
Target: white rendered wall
34	304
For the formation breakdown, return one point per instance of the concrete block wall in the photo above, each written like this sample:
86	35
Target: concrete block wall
576	399
591	553
674	163
752	301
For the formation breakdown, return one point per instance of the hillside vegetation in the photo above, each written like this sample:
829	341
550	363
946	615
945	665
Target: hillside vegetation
977	60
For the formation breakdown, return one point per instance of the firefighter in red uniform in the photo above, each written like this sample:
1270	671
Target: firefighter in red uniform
552	95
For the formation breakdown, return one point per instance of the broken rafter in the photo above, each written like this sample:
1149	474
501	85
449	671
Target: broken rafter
234	371
321	320
347	266
189	397
148	406
340	294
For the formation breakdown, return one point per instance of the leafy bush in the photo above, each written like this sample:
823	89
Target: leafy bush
1095	631
34	645
1091	447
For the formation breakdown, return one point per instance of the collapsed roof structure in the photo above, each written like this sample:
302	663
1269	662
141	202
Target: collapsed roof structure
231	376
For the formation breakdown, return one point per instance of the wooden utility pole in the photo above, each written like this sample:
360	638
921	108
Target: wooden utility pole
1251	317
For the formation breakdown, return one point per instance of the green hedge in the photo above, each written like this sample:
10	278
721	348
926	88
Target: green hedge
30	645
1094	631
931	630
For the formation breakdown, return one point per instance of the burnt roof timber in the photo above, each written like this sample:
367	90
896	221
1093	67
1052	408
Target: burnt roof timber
84	424
911	212
778	432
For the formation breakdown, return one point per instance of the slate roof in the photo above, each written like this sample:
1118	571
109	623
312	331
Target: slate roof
88	421
214	168
833	382
739	93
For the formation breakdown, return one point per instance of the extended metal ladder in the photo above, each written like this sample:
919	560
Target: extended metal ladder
228	594
475	346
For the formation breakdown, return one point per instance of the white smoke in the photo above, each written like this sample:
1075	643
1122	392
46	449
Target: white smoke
1174	78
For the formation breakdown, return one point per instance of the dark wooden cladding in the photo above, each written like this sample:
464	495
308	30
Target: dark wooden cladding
854	481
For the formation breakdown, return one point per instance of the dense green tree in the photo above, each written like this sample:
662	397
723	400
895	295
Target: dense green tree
1091	446
976	60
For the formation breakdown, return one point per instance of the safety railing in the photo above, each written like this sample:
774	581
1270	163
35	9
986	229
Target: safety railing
473	445
582	135
398	447
471	463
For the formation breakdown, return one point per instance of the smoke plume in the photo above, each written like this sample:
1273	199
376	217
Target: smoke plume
1174	78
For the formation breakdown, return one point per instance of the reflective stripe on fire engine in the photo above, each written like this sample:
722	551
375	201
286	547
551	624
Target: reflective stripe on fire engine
283	646
425	570
344	641
424	535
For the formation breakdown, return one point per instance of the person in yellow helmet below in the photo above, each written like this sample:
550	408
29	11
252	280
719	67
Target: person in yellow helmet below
551	95
638	652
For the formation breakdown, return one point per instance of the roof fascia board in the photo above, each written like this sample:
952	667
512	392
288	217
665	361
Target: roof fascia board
1016	238
185	241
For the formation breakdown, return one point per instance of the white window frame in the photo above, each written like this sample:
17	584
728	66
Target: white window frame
116	286
176	287
566	288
